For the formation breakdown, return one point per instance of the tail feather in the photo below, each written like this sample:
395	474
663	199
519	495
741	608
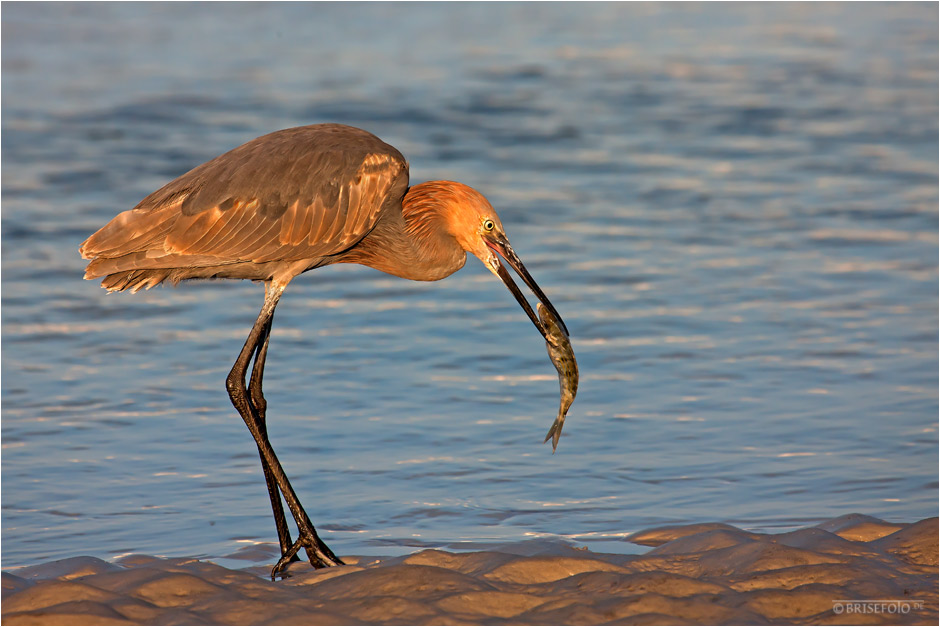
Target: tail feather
149	260
135	280
137	271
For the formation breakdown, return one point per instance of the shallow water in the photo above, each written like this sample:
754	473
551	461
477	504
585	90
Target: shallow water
733	207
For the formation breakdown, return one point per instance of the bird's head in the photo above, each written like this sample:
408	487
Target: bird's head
473	222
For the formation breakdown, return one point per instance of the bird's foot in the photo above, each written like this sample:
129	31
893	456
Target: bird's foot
318	553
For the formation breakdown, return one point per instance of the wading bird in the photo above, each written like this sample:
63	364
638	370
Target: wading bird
281	205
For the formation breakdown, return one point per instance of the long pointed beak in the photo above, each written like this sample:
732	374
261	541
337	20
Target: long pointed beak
501	246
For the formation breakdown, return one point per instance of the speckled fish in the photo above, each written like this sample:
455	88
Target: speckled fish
559	349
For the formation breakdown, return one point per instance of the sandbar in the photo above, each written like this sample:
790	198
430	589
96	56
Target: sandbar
854	570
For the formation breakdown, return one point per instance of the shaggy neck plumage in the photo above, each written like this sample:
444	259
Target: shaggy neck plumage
420	248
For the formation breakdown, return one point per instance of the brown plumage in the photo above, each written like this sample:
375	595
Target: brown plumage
290	200
286	203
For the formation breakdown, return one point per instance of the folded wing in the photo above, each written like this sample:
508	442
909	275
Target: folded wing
299	194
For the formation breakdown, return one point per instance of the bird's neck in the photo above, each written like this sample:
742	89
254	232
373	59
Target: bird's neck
417	246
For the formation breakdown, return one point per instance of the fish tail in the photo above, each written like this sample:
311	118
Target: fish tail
554	433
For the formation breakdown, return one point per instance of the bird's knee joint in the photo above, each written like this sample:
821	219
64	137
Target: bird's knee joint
234	386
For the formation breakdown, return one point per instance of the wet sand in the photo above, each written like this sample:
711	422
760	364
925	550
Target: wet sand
697	574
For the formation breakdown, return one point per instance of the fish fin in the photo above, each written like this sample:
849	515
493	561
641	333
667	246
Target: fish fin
554	433
551	432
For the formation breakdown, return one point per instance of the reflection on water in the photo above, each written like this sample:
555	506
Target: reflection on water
734	209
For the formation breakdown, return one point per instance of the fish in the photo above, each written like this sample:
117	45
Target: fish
562	355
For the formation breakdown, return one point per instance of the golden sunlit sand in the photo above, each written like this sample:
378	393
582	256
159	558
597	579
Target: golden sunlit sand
696	574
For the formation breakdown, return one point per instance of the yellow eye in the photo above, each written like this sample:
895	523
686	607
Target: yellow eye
488	225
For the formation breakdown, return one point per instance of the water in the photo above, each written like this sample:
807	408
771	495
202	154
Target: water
733	207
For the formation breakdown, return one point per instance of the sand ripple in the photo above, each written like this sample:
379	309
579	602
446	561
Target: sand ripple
697	574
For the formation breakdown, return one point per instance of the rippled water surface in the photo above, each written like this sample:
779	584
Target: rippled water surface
733	207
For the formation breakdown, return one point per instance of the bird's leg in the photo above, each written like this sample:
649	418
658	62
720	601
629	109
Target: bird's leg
318	553
260	406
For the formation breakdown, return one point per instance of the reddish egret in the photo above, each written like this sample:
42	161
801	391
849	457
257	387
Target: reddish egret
281	205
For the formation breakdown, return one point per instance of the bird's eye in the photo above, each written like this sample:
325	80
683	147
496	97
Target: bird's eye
488	225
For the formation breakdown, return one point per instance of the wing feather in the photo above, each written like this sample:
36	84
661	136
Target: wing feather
318	216
288	219
215	224
303	227
190	232
355	208
232	221
128	231
338	216
245	243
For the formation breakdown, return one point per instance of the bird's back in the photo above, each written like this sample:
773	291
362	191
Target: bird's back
277	205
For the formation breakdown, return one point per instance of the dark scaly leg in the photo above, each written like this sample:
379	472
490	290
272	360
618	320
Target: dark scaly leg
260	406
318	553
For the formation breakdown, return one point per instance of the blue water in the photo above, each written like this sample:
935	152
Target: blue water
734	207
